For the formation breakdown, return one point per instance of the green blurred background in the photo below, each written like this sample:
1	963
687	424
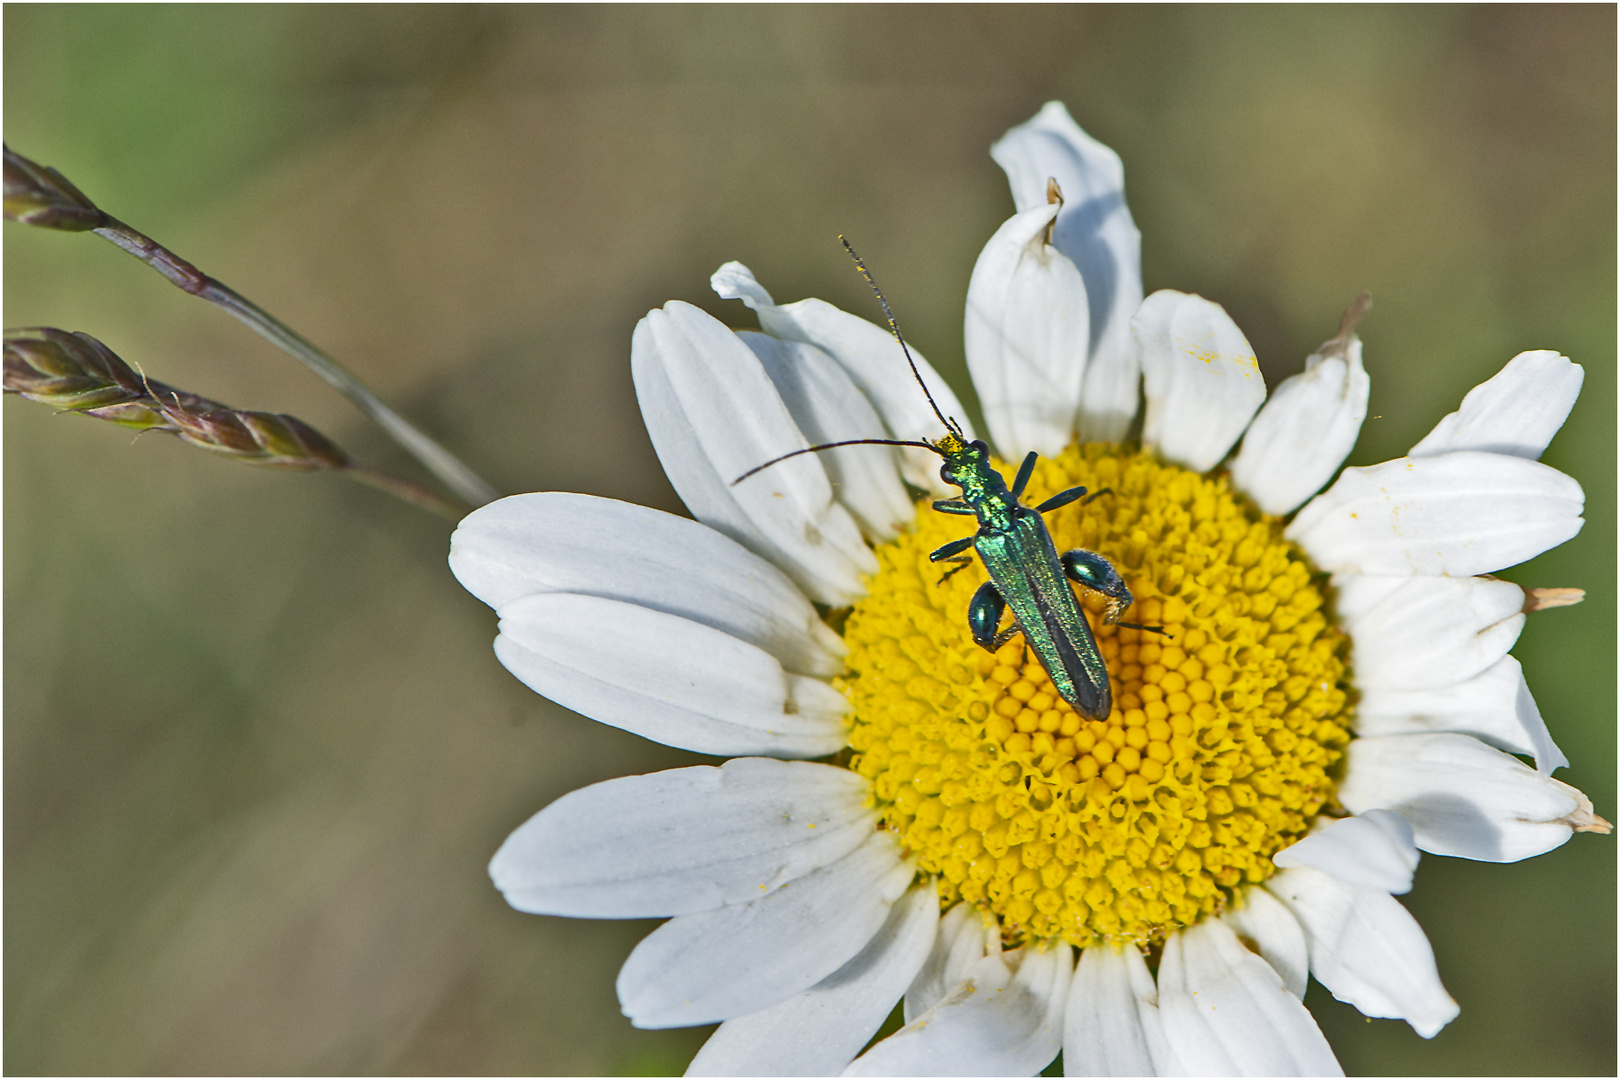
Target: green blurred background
257	747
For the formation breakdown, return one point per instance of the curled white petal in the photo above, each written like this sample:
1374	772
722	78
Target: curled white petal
1517	411
1227	1013
1495	706
681	841
872	359
1111	1026
1460	514
828	408
1199	376
1095	231
556	541
1304	431
1367	949
667	678
734	281
1026	335
1460	796
1266	927
989	1025
1373	850
820	1031
713	415
1415	633
738	959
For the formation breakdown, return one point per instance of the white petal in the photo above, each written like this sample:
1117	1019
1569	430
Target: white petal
1026	337
1461	797
821	1030
828	408
1304	431
1540	744
734	281
712	415
873	360
1264	926
557	541
1199	376
1226	1012
990	1025
1112	1026
1095	231
1417	633
1460	514
682	841
1374	850
1517	411
666	678
1367	949
1494	705
965	937
736	960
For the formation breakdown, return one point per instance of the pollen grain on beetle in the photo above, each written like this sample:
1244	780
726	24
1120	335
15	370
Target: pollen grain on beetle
1220	749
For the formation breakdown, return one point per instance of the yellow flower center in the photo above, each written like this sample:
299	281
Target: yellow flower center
1216	755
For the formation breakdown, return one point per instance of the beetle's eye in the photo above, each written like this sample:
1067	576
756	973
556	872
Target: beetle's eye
945	473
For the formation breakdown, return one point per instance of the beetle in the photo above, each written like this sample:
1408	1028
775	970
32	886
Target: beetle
1026	572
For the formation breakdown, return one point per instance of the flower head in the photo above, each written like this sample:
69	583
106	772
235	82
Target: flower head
1309	692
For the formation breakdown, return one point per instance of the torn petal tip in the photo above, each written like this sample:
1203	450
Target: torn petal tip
1582	818
1541	599
1585	821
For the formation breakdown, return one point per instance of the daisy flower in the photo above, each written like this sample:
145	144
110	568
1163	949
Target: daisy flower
906	817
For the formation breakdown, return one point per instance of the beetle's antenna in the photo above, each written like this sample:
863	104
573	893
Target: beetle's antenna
950	425
831	445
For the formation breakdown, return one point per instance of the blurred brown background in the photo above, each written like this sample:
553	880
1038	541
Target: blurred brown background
257	747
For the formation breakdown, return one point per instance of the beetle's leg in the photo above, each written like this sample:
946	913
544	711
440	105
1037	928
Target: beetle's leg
947	552
1097	573
1099	493
1062	498
954	506
984	616
1024	472
952	553
1006	636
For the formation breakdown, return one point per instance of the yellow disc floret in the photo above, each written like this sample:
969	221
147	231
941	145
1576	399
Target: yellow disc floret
1216	755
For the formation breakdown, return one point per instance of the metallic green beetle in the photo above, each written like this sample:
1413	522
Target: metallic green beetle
1029	576
1026	572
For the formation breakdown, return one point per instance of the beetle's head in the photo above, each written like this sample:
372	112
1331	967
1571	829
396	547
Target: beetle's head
963	459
